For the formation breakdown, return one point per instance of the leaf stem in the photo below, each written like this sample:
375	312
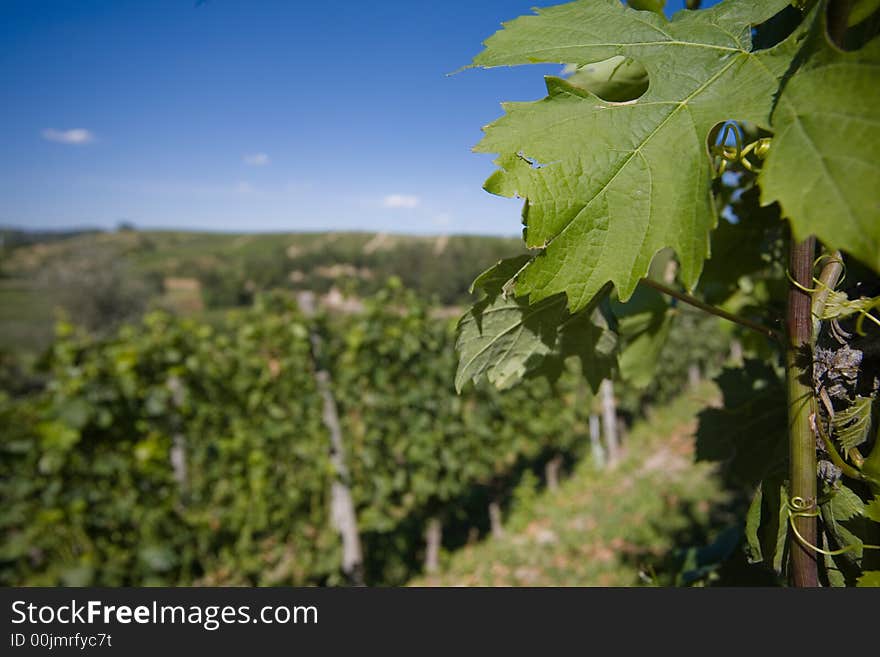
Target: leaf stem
766	331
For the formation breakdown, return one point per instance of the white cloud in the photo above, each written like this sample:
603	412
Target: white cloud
443	219
75	136
243	187
400	201
256	159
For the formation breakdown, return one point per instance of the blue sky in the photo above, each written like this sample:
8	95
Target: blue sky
253	115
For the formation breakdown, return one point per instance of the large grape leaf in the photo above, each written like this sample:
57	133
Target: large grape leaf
503	338
648	5
589	337
823	166
749	432
609	184
744	248
617	79
643	326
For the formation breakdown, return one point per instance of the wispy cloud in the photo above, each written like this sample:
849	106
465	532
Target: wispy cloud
400	201
76	136
256	159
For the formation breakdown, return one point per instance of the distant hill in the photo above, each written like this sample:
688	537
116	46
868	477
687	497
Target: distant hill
11	238
102	278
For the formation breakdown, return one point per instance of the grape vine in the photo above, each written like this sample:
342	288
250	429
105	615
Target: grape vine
180	452
742	138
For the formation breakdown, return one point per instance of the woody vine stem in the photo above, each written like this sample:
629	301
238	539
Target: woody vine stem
802	444
799	324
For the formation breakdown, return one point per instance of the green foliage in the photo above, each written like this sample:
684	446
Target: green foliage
616	79
643	324
851	426
177	452
746	110
126	272
747	251
870	578
688	338
648	5
766	526
617	527
749	432
862	9
600	183
504	338
847	528
91	496
823	167
393	370
418	450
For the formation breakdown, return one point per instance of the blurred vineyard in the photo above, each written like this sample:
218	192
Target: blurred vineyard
151	443
177	451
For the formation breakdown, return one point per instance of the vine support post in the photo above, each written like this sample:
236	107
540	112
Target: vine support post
736	352
433	541
595	443
177	454
342	510
609	421
551	472
802	443
495	522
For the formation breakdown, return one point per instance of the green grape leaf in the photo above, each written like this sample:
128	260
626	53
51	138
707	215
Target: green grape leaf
589	337
872	510
645	309
767	525
754	553
822	167
617	79
740	249
845	504
648	5
749	432
869	578
503	338
846	526
643	324
699	563
871	466
852	424
861	9
609	184
835	574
